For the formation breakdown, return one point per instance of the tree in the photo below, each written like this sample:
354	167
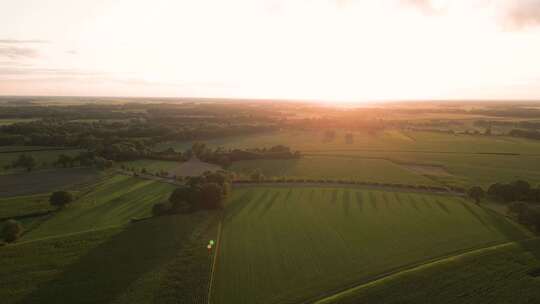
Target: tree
12	231
26	161
521	189
61	198
160	209
184	199
517	208
476	193
64	160
212	196
257	176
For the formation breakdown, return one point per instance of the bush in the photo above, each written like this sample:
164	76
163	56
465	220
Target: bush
60	198
12	231
160	209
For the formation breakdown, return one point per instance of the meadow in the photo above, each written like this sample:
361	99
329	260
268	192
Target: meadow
286	244
112	202
45	158
22	205
47	181
499	275
333	168
144	262
192	167
466	159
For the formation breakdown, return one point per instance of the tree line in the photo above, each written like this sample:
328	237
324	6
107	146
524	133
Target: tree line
522	200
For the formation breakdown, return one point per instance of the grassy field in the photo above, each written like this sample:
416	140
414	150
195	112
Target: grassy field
292	244
335	168
5	121
193	167
153	166
45	159
162	260
113	202
496	276
21	205
468	159
46	181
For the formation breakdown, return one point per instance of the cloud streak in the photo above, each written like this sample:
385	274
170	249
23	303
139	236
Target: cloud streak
19	41
522	14
16	52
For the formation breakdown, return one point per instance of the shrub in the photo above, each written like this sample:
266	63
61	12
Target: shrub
160	209
60	198
12	231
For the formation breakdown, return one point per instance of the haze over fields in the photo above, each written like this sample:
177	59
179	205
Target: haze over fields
330	50
269	151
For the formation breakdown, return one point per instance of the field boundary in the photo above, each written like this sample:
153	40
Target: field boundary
340	185
214	262
411	151
322	299
59	236
38	150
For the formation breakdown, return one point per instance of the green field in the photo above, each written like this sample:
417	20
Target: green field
114	201
162	260
292	244
497	275
21	205
45	159
6	122
334	168
152	166
469	159
47	181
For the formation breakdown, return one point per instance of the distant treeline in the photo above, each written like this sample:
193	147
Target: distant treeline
224	157
117	140
516	124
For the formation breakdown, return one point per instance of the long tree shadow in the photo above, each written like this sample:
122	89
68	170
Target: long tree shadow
442	206
505	226
237	205
262	198
346	197
359	200
270	203
373	201
413	203
108	270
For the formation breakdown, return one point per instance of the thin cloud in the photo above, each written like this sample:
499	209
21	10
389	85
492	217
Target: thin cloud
522	14
425	6
19	71
15	52
19	41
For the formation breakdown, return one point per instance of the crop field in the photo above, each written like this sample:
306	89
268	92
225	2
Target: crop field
6	122
497	275
469	159
153	166
390	140
193	167
113	202
334	168
46	181
45	158
21	205
144	262
293	244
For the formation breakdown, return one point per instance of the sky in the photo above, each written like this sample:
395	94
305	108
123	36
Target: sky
334	50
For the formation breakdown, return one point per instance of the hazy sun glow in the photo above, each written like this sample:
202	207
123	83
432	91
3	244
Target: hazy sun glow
327	50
